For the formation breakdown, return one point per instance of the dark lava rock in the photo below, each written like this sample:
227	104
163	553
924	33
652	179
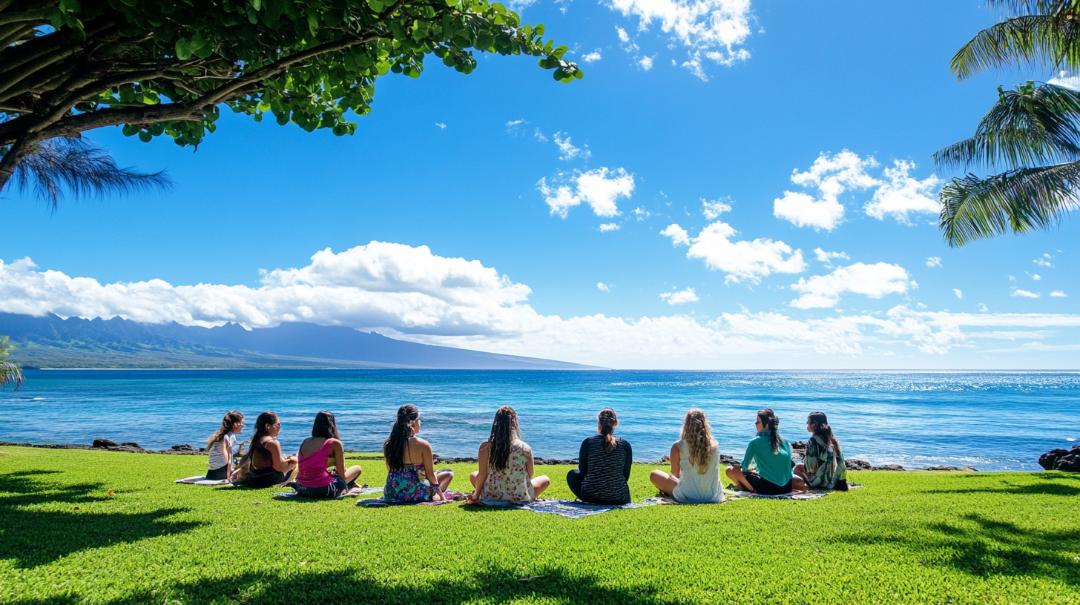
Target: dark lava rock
131	444
1061	459
854	464
728	460
887	467
556	461
103	443
798	445
966	469
183	447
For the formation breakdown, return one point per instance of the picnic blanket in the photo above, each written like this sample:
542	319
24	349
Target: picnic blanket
202	480
350	493
576	509
810	495
382	502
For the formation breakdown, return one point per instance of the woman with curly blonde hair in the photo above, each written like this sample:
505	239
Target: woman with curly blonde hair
695	464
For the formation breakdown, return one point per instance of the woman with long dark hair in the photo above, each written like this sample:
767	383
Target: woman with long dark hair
766	465
222	446
264	465
695	464
823	465
317	454
406	457
506	464
604	463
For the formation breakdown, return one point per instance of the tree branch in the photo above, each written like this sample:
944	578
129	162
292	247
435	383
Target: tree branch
24	16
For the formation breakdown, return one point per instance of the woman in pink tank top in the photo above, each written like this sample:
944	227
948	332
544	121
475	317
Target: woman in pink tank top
317	454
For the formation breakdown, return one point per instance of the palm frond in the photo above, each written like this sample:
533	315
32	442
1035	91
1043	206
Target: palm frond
1047	39
1029	7
74	166
10	374
1016	201
1027	126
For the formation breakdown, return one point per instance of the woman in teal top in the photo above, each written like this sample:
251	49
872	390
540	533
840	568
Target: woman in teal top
769	455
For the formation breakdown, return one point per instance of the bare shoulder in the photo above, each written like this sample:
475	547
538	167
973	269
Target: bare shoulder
485	446
422	444
675	448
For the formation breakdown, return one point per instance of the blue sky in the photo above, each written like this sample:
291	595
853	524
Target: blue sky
471	167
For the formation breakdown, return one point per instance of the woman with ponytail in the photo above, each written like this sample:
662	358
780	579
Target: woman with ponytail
222	446
695	464
320	452
406	457
506	464
823	465
604	462
265	465
769	457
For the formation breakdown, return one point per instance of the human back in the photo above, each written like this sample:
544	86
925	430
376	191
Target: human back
604	463
699	462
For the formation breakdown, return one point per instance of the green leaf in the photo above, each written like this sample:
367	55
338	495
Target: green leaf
69	6
183	49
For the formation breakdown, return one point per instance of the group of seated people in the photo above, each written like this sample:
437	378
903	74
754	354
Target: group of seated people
505	472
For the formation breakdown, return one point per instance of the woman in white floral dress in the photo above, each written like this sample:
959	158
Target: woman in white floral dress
506	465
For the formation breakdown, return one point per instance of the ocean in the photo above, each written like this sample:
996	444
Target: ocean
989	420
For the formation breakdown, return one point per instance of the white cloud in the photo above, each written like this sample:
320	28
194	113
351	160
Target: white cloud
680	297
738	260
875	281
601	286
901	195
607	227
640	214
567	149
539	135
645	63
831	176
407	291
983	308
1058	294
709	30
934	262
440	125
1035	277
511	124
1066	79
678	235
1020	293
714	208
1044	261
958	293
520	5
600	189
592	57
826	258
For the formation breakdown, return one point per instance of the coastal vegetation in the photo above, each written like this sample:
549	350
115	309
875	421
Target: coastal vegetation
1031	132
9	370
80	526
167	68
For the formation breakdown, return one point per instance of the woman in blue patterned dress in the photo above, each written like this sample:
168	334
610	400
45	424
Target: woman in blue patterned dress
407	457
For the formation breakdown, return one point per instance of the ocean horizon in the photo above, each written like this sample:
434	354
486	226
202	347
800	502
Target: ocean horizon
991	420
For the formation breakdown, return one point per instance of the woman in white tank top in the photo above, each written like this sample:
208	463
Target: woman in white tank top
695	464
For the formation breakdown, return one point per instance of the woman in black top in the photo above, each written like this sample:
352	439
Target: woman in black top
603	465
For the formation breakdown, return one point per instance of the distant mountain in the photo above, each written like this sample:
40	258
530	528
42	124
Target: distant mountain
52	342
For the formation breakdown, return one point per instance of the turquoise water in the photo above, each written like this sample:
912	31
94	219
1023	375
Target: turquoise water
993	421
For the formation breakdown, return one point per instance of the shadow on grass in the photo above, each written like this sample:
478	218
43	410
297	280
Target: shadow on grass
1052	485
493	584
30	536
984	547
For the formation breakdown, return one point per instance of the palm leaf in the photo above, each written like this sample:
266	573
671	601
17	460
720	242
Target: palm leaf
1027	126
1048	39
1016	201
10	373
72	165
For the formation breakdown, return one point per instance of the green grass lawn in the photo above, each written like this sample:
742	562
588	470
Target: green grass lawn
87	526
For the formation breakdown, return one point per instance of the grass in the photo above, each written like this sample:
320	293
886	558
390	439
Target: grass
103	527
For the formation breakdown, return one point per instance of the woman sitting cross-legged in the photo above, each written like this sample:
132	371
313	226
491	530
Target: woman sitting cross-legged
604	462
695	464
823	465
264	465
766	466
317	453
506	465
406	457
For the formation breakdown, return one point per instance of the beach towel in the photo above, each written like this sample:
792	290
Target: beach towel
739	495
202	480
380	502
576	509
350	493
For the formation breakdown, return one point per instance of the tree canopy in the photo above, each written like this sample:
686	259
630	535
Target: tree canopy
164	68
9	371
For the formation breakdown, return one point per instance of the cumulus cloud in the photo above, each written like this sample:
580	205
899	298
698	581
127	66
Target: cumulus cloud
1045	261
640	214
600	189
607	227
1021	293
680	297
1066	80
592	57
831	176
738	260
901	195
1058	294
601	286
933	262
408	291
440	125
712	31
711	209
826	258
567	149
958	293
875	281
645	63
